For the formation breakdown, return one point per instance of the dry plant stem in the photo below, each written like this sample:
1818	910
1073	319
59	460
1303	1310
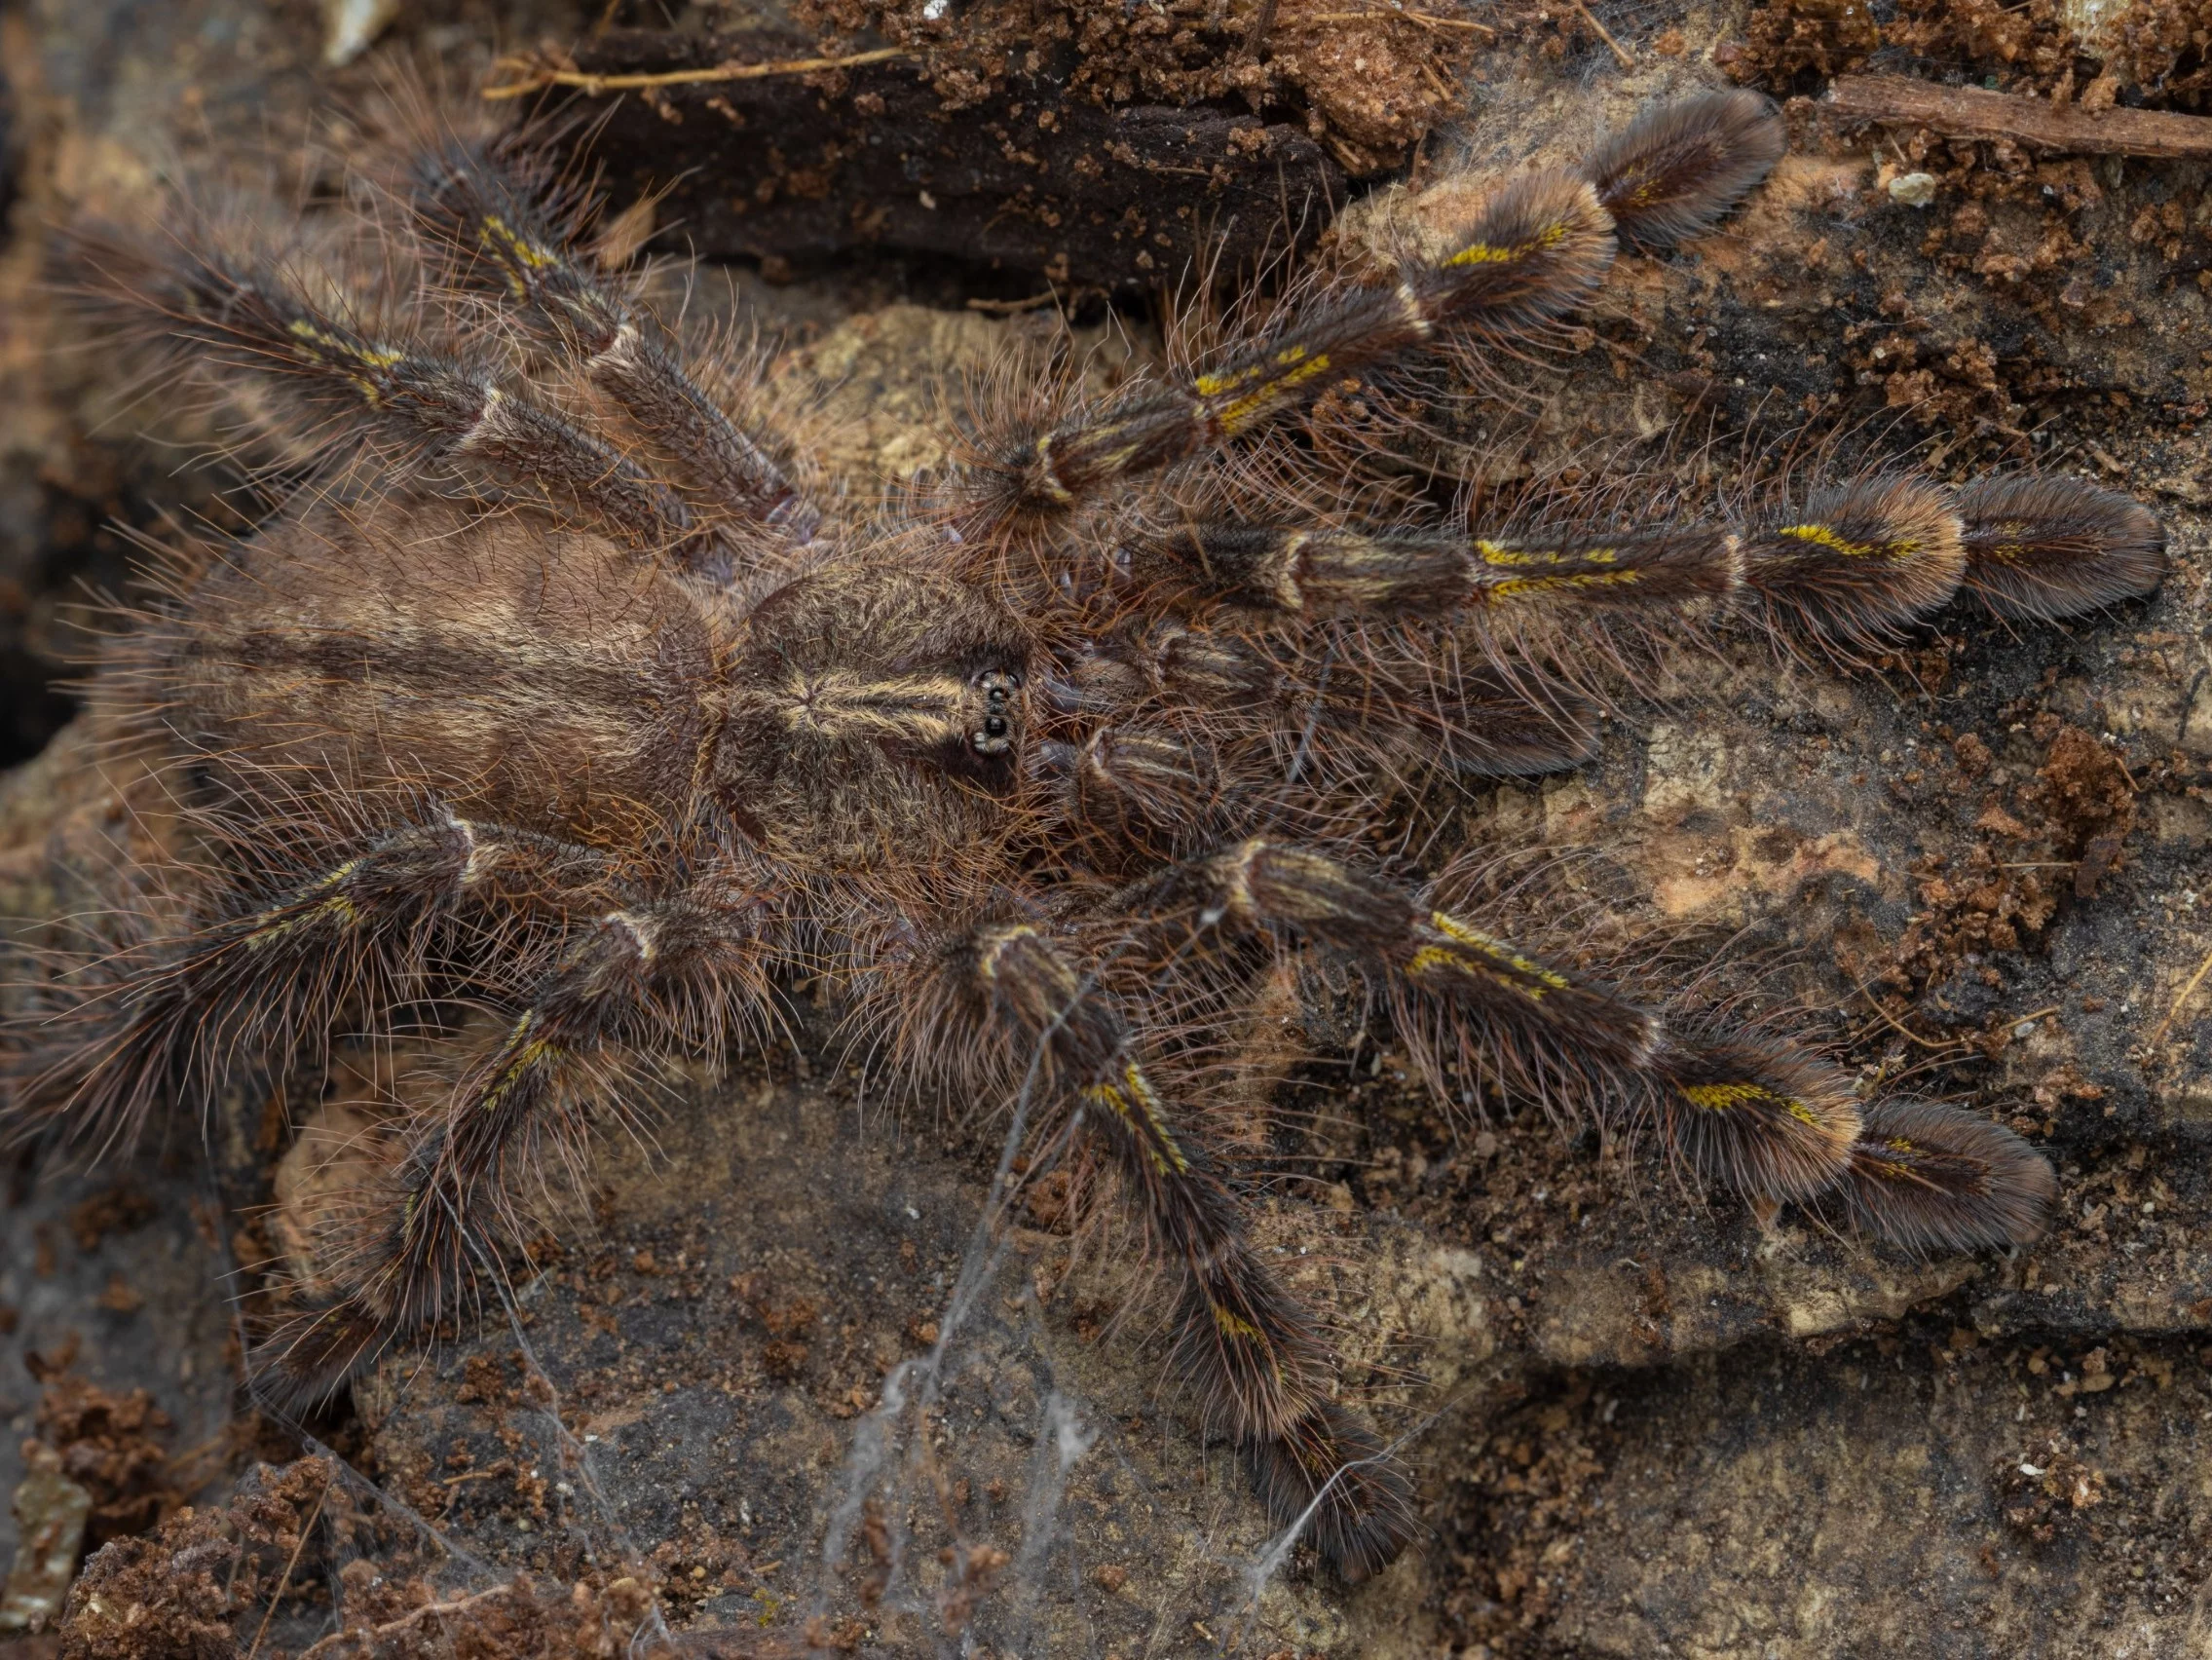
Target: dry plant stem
1012	308
275	1597
1256	35
1905	1032
537	75
1620	52
366	1635
1427	20
1969	112
2187	991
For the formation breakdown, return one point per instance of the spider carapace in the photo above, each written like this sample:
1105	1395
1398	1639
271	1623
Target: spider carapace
557	691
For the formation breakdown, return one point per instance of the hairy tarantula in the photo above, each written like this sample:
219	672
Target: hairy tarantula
574	702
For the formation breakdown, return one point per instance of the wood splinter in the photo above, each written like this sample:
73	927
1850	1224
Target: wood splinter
1969	112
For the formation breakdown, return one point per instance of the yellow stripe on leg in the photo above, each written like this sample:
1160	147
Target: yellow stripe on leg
1237	1329
1491	253
528	1052
1235	1325
1135	1103
1294	368
1835	542
1730	1097
1524	588
1494	960
274	925
1504	553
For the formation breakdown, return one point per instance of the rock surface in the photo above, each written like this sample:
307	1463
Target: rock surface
773	1374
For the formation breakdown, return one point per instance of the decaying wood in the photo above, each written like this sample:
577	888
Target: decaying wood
1969	112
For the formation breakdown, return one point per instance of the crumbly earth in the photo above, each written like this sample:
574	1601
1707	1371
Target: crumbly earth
771	1380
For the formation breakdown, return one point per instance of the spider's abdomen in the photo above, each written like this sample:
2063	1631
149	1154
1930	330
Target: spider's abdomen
539	675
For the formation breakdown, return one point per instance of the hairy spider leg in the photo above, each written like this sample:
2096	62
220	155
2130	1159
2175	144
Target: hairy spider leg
1344	696
1242	1340
1280	573
496	233
260	976
1538	250
1856	559
1755	1116
441	408
609	993
2043	546
1861	560
1936	1178
1675	170
1153	785
1531	251
1145	786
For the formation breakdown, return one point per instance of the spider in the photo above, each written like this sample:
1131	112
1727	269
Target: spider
565	697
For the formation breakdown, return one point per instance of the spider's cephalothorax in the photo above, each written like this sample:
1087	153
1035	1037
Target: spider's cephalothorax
574	704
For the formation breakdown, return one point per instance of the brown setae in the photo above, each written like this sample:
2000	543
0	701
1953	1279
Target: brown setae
556	690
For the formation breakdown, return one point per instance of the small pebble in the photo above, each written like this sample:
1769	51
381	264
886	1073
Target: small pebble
1913	189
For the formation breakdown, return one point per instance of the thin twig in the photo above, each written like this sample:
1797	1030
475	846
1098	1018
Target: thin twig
428	1610
1427	20
1256	36
2187	991
540	75
1010	308
1620	52
1969	112
452	1483
1905	1032
278	1596
176	1468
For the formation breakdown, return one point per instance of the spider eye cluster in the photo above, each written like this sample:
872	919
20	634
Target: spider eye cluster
995	737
